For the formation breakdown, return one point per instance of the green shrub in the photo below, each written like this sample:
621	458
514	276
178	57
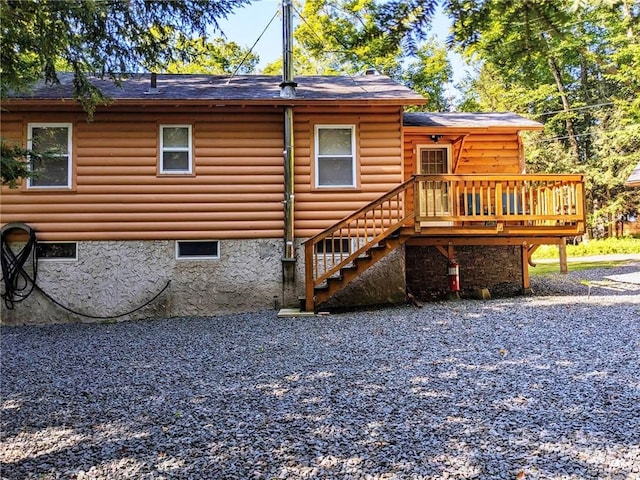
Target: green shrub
592	247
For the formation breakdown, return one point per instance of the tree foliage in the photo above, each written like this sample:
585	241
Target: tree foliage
342	34
215	57
352	36
98	38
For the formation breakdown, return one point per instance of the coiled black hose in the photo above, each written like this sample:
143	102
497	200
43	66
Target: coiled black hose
19	283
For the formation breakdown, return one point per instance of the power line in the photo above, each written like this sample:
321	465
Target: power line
586	107
252	47
545	140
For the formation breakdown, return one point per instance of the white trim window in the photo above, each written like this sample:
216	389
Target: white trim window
197	249
57	251
53	142
335	149
176	149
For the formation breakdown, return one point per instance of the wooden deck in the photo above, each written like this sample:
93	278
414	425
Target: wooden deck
444	211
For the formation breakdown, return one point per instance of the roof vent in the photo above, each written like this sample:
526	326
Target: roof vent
370	71
154	84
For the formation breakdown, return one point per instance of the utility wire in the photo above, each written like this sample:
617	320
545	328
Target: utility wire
585	107
252	47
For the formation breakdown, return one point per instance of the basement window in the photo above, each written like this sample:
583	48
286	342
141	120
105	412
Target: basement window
333	245
57	251
197	249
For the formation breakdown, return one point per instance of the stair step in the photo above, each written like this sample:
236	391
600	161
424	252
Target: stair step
351	271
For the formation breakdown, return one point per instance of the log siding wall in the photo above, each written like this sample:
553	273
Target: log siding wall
118	193
235	191
378	164
490	152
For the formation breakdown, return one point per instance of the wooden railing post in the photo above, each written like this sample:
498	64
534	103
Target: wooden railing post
308	277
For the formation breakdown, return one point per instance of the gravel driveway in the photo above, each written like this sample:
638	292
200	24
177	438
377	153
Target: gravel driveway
542	387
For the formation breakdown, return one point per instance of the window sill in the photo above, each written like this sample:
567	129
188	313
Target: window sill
336	189
175	174
48	189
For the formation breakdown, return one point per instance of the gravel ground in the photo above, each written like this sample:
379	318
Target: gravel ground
539	387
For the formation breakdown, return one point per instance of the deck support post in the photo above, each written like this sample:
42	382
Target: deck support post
526	285
562	249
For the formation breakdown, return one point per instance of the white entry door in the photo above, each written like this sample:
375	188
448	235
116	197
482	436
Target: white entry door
435	198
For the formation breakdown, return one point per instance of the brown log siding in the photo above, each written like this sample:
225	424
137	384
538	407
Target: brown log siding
483	153
236	190
379	164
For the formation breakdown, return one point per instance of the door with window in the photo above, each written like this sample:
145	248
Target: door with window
435	200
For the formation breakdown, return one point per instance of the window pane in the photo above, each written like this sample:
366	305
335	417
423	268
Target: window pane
178	161
50	139
333	245
175	137
433	161
198	249
50	171
66	250
334	141
335	171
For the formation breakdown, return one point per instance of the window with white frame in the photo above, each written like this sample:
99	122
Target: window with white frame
51	159
57	250
197	249
175	149
335	164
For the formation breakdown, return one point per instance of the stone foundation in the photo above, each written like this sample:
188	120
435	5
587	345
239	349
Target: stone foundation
497	268
113	277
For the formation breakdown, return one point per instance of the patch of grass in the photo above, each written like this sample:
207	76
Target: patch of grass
549	268
592	247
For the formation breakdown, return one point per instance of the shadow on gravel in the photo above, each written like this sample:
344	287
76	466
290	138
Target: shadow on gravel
543	387
590	281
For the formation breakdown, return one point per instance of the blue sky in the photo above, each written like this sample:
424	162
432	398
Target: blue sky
246	24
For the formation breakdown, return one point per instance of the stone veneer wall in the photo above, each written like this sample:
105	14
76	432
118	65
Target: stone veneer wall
382	283
113	277
497	268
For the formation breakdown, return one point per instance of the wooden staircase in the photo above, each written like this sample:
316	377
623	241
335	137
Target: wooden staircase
339	254
353	270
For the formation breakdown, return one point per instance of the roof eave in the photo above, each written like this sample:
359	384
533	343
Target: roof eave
475	129
68	102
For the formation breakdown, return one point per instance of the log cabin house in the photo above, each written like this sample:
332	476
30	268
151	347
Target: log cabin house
190	181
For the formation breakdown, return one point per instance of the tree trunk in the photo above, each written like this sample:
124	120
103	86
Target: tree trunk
571	133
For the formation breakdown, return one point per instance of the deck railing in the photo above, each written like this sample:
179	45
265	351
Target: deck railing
538	200
449	205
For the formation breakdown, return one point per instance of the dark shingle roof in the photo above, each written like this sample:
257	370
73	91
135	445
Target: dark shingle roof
245	88
469	120
634	178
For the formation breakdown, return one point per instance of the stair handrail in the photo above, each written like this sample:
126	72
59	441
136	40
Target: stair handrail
310	244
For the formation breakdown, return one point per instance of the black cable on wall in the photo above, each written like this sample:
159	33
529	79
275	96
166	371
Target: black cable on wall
19	283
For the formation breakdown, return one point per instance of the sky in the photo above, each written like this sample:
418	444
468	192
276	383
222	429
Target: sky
247	24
